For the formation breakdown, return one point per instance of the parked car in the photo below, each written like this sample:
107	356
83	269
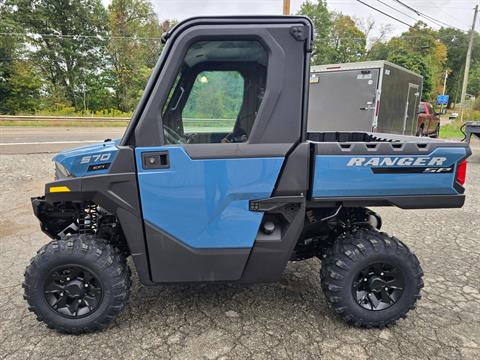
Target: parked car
453	116
428	123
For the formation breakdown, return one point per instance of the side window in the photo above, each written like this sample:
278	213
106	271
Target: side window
214	102
421	108
217	93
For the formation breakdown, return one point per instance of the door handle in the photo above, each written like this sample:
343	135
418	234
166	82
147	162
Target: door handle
155	160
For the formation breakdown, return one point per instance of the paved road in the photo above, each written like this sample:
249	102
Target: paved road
31	140
285	320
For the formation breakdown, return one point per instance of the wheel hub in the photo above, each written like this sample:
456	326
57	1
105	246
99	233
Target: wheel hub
378	286
73	291
375	283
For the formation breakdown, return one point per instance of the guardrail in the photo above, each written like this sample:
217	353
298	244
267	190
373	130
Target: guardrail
61	118
96	119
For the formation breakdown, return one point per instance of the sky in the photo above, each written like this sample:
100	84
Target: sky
458	13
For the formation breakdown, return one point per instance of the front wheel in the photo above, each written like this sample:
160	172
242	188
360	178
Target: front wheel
77	285
371	279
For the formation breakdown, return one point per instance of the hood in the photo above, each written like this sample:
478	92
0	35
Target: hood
87	160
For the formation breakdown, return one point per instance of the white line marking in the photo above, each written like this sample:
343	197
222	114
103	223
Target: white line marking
53	142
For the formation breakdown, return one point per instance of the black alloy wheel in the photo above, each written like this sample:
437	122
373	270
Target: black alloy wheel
78	284
73	291
378	286
371	279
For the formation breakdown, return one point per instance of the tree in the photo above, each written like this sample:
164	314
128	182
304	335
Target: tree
456	42
415	63
134	48
19	80
368	27
419	50
322	21
68	39
348	40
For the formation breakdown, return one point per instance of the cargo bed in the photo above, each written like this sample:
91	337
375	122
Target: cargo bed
375	169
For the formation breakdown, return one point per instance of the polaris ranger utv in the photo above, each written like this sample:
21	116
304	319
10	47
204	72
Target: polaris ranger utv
211	200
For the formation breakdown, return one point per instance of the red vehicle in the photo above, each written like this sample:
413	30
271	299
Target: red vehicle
428	121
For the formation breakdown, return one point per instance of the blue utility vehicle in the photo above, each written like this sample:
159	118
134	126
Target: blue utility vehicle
235	199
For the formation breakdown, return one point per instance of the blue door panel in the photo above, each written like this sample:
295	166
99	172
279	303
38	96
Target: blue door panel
204	203
334	178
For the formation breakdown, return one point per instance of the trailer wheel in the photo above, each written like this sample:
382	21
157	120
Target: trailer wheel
77	285
371	279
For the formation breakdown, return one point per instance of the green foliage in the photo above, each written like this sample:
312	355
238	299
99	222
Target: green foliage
476	104
419	50
215	95
66	62
134	48
416	63
322	21
78	57
337	37
19	80
456	43
348	41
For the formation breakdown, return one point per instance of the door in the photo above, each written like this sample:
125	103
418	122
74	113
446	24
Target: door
410	118
433	119
222	144
342	100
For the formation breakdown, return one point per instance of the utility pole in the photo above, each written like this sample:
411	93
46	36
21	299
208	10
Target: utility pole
444	88
445	82
467	62
286	7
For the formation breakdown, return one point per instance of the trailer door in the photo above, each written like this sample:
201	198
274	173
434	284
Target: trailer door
342	100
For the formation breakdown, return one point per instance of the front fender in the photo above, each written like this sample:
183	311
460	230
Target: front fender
117	193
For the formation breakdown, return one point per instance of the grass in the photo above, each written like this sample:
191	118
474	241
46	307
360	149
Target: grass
451	131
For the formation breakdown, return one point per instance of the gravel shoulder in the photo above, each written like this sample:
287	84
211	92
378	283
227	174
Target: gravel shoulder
284	320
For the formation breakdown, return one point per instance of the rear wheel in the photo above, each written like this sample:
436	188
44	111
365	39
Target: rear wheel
371	279
419	132
77	285
436	134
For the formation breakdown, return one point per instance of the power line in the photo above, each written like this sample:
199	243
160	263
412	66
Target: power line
384	13
61	36
428	17
444	12
401	12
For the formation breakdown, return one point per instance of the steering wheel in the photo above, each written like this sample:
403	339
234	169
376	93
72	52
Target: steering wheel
173	137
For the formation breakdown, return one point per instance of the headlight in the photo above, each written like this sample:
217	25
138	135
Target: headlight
60	171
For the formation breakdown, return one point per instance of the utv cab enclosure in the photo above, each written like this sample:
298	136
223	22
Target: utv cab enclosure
217	179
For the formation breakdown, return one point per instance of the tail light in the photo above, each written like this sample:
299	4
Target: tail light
461	172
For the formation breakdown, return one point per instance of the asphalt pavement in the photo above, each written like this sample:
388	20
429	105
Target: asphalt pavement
285	320
35	140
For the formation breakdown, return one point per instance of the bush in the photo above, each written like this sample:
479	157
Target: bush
476	104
